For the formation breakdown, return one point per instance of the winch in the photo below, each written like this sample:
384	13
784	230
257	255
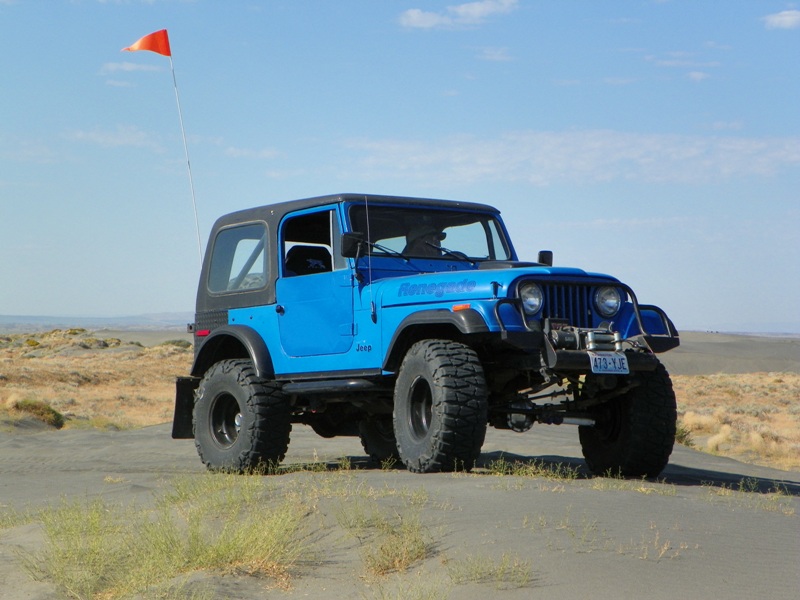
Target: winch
566	337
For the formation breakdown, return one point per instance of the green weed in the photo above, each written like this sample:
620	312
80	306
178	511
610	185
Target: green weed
507	572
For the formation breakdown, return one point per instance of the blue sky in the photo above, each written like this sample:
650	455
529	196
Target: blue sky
658	141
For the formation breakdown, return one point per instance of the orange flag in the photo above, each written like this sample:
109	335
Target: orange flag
157	42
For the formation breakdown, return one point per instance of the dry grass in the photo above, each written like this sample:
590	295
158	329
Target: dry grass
506	573
243	527
754	417
391	542
92	382
107	383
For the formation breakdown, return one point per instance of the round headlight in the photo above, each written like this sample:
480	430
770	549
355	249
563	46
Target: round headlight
532	298
607	300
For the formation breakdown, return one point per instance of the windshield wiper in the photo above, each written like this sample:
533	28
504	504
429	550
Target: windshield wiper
454	253
386	250
392	253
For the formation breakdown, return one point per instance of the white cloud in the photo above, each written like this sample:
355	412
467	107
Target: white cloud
680	60
266	153
459	15
495	54
123	135
118	83
717	46
126	67
14	148
590	156
787	19
697	75
420	19
476	12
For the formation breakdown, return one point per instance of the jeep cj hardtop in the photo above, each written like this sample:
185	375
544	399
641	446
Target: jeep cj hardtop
413	324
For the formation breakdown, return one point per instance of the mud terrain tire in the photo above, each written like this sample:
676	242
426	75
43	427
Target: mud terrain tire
241	422
635	433
377	437
440	407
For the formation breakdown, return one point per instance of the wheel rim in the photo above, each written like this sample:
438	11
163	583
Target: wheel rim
608	423
420	408
226	420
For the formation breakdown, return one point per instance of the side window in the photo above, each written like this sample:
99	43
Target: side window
238	261
308	243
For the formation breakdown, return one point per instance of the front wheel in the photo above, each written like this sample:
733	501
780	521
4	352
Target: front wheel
241	421
634	433
440	407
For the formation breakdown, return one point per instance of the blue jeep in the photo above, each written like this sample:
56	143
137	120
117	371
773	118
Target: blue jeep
413	324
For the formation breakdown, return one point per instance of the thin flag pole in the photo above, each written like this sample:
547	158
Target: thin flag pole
158	42
188	162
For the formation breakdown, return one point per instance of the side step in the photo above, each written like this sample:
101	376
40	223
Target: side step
330	386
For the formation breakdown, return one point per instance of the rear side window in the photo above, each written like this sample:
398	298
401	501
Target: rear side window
238	260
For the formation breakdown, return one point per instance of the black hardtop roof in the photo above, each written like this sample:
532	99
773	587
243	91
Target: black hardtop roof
272	213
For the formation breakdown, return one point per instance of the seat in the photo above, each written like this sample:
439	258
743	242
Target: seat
307	260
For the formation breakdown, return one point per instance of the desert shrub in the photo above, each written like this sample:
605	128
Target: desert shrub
683	435
178	343
91	343
40	410
694	421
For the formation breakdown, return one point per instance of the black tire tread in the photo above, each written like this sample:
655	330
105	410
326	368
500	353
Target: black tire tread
458	371
269	430
379	445
645	446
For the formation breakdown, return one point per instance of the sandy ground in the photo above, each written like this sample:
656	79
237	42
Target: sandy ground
706	353
733	545
690	535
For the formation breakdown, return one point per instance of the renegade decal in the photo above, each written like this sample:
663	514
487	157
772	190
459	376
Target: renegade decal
436	289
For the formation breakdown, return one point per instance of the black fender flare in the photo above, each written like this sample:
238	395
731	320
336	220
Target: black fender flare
233	341
466	322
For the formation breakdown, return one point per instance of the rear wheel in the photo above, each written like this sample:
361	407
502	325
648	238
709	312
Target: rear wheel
440	407
241	421
634	434
377	437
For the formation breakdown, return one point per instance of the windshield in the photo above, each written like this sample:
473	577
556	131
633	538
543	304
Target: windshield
419	231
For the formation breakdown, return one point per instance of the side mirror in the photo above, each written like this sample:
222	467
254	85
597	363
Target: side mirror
352	244
545	258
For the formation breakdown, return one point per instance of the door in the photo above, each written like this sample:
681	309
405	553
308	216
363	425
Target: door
315	288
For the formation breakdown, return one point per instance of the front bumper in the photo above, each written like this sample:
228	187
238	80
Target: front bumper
579	360
540	329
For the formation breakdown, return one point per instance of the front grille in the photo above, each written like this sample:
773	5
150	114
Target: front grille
570	302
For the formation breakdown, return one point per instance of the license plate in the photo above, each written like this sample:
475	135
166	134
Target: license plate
609	362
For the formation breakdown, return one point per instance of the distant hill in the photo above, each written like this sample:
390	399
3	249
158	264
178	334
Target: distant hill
157	321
